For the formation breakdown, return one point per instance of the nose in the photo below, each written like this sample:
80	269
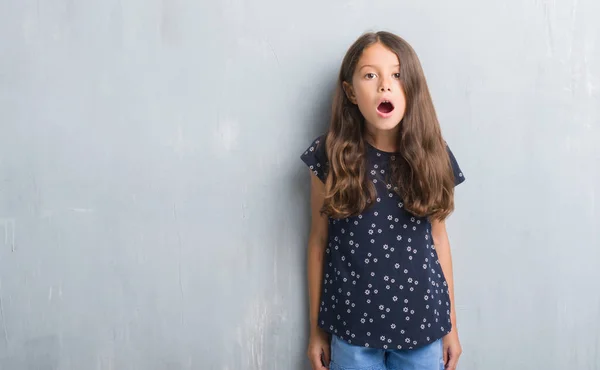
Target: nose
385	85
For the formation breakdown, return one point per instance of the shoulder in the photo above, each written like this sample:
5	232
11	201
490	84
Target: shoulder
459	176
315	157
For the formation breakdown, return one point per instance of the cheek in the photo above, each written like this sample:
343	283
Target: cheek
402	101
363	95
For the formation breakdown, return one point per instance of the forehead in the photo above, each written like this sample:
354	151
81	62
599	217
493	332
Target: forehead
378	55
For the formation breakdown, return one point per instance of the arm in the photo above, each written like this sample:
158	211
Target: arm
442	247
318	343
452	348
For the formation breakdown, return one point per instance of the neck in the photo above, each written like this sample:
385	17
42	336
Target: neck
384	140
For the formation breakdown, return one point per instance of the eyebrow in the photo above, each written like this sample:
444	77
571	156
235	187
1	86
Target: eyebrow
372	66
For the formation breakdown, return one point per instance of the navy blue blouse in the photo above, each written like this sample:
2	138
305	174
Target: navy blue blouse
383	286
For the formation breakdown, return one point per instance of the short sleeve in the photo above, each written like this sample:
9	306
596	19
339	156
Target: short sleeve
315	157
459	177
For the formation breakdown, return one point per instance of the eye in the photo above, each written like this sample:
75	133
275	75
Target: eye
370	76
397	75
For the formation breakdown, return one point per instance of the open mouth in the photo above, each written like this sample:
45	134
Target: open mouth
385	107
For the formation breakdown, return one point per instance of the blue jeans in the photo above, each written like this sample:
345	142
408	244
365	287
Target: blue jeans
345	356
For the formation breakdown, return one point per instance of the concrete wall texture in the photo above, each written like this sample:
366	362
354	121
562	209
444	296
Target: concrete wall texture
154	211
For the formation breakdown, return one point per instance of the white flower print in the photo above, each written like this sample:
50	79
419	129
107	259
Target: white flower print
385	288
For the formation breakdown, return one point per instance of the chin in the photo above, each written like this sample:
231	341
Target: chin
385	125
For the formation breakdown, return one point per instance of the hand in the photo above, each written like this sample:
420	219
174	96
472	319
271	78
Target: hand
319	349
452	350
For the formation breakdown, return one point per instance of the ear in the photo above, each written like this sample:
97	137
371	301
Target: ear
349	90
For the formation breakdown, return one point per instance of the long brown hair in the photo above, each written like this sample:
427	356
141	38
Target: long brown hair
422	173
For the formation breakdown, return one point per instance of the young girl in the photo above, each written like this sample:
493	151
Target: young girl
383	178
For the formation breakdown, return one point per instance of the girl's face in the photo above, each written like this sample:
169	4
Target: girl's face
376	88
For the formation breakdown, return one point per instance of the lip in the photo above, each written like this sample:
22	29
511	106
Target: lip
382	114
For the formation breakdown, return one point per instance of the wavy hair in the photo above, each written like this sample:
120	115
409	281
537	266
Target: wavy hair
422	174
